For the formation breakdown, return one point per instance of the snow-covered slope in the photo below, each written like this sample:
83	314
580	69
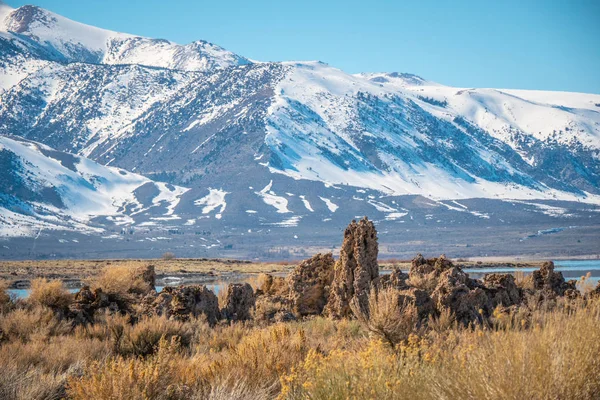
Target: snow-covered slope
69	41
400	134
283	144
44	188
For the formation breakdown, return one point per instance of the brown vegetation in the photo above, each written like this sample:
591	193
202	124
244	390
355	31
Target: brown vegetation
433	333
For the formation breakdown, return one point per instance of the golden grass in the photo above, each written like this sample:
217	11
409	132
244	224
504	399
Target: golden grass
534	353
122	279
88	269
38	324
386	318
556	359
5	300
49	293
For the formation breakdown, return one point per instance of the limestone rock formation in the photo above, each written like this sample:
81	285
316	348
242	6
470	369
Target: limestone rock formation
87	302
396	279
550	284
461	295
595	293
420	299
309	284
422	266
355	270
239	302
502	290
148	275
182	303
273	302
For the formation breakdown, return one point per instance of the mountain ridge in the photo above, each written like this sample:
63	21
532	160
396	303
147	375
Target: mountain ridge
292	145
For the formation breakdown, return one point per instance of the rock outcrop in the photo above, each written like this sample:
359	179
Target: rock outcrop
87	302
148	275
549	284
309	284
239	302
420	299
461	295
396	279
422	266
594	293
356	269
183	303
502	290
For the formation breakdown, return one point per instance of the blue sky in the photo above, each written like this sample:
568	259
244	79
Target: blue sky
525	44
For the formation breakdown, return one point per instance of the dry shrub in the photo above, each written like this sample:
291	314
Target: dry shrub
387	318
52	356
39	369
222	295
258	282
219	338
165	375
373	372
168	256
427	283
156	377
49	293
269	284
231	389
142	339
557	358
39	323
442	322
260	358
5	300
326	334
522	281
30	385
122	279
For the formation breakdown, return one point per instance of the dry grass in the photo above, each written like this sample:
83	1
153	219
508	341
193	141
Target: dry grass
142	339
49	293
585	284
427	283
555	359
122	279
39	369
386	318
88	269
5	300
32	325
536	352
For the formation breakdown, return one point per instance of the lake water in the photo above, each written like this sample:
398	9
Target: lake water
23	293
571	269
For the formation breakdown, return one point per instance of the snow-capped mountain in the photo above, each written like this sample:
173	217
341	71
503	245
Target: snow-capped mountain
42	188
291	145
64	40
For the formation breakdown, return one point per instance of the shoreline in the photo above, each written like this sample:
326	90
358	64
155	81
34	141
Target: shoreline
76	273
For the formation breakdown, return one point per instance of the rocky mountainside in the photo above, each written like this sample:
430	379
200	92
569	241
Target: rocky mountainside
44	189
294	146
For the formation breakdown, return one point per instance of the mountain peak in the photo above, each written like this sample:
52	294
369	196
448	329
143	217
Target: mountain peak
398	78
71	41
22	19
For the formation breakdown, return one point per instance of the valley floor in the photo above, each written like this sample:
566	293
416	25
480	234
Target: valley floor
75	273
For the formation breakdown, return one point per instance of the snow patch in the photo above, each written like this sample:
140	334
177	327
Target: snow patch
213	200
270	198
